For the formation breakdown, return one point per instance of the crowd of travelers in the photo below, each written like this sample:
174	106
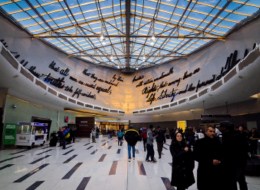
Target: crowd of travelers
221	151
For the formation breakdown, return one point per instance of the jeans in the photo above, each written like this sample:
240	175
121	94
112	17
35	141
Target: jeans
129	147
150	152
160	148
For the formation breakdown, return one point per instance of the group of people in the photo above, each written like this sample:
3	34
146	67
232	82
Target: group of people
64	136
148	136
221	154
221	159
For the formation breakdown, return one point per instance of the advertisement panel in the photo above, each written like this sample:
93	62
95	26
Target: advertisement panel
9	134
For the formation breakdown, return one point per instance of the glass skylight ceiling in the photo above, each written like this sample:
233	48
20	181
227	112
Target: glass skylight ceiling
129	34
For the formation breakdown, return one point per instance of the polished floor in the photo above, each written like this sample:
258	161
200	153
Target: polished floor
91	166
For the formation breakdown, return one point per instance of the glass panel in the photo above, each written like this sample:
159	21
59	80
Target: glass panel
159	18
24	129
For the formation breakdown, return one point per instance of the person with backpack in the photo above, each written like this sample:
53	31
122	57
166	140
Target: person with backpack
120	135
160	140
131	137
64	136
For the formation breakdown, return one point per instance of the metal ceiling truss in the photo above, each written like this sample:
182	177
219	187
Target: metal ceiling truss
129	34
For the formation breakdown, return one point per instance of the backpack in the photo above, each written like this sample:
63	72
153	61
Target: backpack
144	134
120	134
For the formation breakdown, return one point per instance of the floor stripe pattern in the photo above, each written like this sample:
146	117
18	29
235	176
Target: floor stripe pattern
69	159
35	185
83	183
30	173
68	152
19	152
40	159
12	158
6	166
113	168
72	171
101	159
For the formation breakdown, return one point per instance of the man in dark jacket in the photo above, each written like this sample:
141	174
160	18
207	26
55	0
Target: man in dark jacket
160	140
207	151
234	156
131	137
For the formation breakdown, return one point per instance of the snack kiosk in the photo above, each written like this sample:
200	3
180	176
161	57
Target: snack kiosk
31	134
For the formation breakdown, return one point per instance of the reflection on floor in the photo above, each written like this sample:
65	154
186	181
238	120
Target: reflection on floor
86	165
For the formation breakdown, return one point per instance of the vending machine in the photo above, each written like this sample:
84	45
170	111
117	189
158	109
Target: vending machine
31	134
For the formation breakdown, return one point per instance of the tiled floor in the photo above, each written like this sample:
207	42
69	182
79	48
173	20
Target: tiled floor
90	166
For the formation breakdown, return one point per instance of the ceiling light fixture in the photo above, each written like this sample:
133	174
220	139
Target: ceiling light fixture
153	38
152	42
144	58
112	58
102	37
104	42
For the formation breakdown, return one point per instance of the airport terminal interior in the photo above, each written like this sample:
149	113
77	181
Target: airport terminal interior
115	64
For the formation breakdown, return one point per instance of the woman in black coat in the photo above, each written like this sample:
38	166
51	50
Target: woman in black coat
182	163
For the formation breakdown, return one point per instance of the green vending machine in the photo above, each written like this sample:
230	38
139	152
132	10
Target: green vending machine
9	134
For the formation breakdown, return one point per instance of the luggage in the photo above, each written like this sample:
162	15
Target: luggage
53	140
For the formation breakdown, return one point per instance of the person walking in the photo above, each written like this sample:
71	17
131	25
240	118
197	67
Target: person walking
149	143
120	135
97	132
73	133
207	151
93	134
235	152
160	140
60	136
253	141
182	163
242	147
131	137
144	137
